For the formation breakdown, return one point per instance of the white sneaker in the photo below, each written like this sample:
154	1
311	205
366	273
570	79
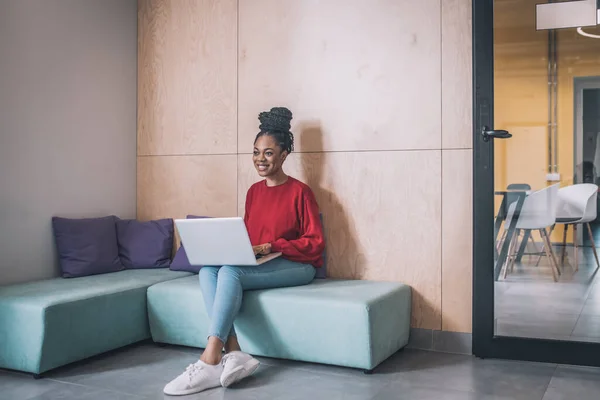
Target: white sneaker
237	366
196	378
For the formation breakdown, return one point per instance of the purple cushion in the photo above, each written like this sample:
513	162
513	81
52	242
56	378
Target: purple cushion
146	244
86	246
180	261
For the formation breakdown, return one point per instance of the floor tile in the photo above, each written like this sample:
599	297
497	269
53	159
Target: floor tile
520	315
184	349
295	384
469	374
22	386
594	293
560	325
570	383
592	308
574	338
67	391
352	373
547	289
342	372
527	304
538	305
142	371
588	326
409	392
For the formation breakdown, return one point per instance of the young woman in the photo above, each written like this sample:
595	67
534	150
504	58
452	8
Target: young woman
281	215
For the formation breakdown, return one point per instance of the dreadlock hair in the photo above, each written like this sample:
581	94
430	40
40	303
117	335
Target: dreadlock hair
276	123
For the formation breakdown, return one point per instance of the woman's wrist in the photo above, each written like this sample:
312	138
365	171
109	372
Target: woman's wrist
263	249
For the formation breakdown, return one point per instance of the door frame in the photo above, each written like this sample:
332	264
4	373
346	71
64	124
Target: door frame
579	85
485	343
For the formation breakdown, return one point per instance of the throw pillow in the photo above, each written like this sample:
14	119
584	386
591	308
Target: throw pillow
147	244
180	261
86	246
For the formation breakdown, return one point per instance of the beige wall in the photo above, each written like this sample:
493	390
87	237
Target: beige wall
381	95
67	123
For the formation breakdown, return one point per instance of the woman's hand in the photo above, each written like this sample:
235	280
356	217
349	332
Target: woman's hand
262	249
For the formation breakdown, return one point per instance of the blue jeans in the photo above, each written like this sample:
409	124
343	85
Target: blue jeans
223	288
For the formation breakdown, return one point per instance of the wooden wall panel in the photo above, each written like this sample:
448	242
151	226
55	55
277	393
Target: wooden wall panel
359	76
457	240
187	77
174	186
382	214
457	75
367	71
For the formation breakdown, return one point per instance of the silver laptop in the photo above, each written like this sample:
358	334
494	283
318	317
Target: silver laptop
218	241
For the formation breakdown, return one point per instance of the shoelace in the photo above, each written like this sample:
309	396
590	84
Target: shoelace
228	356
193	369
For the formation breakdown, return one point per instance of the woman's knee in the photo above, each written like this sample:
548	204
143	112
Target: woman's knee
229	272
208	273
305	275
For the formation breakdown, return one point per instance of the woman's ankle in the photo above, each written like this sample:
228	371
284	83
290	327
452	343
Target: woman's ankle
232	345
212	355
211	359
231	350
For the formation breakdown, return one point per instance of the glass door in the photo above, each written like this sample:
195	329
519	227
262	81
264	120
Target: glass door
536	177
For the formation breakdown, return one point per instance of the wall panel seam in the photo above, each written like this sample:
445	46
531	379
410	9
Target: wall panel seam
359	151
441	167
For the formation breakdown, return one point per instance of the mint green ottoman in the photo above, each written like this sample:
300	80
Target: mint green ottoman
354	323
50	323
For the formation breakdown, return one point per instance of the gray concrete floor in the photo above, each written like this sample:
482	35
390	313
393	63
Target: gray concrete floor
529	303
141	371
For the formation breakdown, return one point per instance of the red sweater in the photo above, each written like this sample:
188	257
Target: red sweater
287	216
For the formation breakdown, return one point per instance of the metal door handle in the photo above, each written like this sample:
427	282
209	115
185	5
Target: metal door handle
488	134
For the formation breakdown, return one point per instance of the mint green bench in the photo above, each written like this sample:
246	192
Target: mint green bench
50	323
355	324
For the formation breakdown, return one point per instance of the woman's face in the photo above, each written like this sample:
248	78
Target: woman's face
268	156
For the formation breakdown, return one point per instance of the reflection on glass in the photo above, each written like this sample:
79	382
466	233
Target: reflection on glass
547	94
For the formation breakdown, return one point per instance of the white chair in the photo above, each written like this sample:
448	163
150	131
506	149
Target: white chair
510	198
577	206
537	214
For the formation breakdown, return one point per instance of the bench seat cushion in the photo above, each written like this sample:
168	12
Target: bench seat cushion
341	322
49	323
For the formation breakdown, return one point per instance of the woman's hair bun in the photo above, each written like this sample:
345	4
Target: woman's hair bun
276	120
276	123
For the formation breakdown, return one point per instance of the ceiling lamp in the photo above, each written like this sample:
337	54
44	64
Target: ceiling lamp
582	33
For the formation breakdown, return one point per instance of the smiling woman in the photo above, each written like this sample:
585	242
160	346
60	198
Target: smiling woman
273	144
282	216
280	199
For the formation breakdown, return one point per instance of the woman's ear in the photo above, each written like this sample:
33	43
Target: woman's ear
284	155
